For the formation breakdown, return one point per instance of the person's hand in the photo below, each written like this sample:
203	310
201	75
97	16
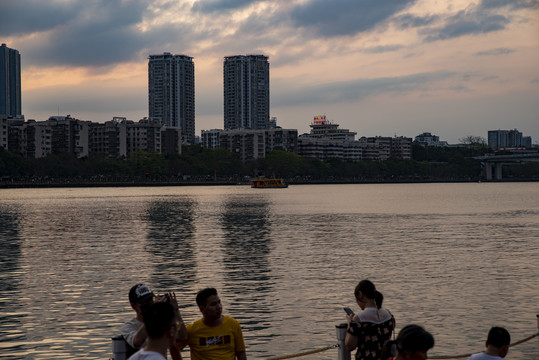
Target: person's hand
172	299
349	318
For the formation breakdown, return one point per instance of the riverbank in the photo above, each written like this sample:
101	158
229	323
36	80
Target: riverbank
138	183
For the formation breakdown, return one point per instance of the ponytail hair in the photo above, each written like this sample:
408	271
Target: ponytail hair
378	298
369	290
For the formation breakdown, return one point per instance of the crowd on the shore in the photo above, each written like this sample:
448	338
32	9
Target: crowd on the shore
158	329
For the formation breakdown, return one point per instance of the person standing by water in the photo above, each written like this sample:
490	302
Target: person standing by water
162	325
369	329
497	345
412	343
215	336
134	331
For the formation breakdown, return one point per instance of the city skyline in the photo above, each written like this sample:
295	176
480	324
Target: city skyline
454	69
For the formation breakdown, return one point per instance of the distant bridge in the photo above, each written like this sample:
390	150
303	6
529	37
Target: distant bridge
492	164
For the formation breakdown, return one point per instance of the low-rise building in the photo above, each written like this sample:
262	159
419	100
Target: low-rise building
251	144
248	144
3	131
383	148
114	139
326	141
109	138
144	135
498	139
171	140
210	138
327	148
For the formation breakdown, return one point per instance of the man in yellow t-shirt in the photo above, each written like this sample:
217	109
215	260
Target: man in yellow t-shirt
215	336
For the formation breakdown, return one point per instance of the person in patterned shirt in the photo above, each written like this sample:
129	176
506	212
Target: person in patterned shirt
369	329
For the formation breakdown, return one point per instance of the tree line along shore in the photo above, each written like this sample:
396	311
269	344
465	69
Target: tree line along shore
200	166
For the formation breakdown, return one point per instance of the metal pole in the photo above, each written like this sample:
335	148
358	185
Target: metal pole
119	348
344	354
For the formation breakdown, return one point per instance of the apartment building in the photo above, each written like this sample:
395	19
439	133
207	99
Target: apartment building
171	92
246	92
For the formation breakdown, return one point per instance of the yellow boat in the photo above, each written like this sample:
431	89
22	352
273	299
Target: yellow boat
265	183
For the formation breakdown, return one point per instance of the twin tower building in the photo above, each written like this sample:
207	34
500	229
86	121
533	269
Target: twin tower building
171	92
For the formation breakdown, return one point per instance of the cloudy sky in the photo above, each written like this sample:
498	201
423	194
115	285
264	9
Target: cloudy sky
378	67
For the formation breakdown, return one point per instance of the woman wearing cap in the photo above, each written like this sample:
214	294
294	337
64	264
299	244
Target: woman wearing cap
369	329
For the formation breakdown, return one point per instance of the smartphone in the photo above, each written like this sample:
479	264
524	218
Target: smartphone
348	311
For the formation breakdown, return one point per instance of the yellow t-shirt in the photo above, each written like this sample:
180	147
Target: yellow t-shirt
215	343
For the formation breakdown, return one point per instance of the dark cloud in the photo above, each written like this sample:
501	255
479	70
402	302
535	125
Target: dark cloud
411	21
467	23
498	51
344	17
355	90
22	17
511	4
488	16
383	49
210	6
96	34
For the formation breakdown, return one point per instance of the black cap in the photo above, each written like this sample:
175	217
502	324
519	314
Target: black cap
140	293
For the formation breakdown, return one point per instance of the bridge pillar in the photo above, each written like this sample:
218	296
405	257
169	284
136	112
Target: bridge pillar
498	175
488	171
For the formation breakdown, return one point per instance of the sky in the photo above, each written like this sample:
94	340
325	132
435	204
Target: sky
454	68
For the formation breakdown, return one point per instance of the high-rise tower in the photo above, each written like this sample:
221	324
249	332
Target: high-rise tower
10	82
171	92
246	92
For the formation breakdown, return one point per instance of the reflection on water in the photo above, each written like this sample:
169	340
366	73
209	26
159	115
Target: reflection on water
171	231
456	258
246	225
12	311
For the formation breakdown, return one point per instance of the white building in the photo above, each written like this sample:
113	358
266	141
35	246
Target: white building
326	141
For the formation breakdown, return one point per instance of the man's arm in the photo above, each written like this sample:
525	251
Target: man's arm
180	345
131	332
182	332
241	355
140	337
174	353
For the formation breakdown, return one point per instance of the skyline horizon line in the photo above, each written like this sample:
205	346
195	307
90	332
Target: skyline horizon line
534	144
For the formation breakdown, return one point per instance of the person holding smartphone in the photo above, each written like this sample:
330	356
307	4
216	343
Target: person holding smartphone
369	329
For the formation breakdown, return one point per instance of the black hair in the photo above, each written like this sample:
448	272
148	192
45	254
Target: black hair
389	350
498	337
369	290
158	317
204	294
414	338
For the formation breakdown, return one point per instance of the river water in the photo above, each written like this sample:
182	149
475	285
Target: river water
455	258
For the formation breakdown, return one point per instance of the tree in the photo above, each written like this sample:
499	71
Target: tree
282	163
144	163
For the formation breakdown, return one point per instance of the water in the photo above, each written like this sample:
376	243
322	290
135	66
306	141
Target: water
455	258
